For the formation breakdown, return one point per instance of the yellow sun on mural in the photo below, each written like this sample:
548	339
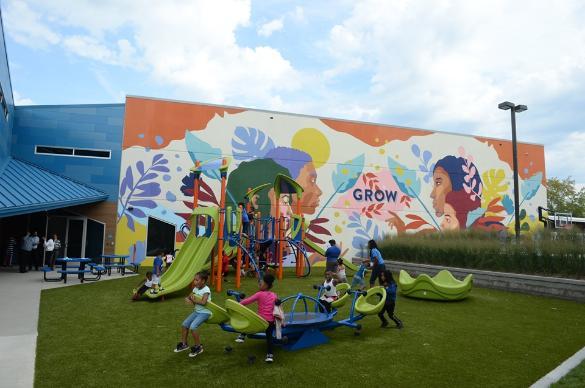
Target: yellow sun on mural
313	142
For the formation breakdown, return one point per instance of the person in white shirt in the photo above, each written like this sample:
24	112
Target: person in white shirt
329	291
49	245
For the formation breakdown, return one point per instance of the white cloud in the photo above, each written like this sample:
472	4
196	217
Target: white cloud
26	27
298	14
272	26
190	46
567	157
20	100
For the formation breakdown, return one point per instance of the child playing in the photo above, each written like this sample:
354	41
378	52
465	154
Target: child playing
266	300
387	281
358	278
329	291
245	219
201	294
169	259
341	277
143	287
156	272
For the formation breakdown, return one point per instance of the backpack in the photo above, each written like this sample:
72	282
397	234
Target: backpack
57	244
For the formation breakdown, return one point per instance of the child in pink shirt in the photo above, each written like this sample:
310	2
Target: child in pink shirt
266	300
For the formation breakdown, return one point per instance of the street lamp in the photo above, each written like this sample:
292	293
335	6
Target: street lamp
506	105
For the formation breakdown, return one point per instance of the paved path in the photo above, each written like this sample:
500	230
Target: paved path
20	295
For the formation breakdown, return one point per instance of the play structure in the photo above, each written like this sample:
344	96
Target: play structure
305	317
217	231
443	286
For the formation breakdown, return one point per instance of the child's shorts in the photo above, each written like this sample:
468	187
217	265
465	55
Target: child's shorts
155	279
195	320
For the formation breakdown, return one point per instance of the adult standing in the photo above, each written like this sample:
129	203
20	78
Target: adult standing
376	261
25	252
10	251
331	255
49	245
57	248
36	252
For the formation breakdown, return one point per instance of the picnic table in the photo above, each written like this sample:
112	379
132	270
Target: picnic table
118	262
86	266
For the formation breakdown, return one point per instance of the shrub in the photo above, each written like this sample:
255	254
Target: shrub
542	253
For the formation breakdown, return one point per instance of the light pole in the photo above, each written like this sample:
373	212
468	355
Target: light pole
506	105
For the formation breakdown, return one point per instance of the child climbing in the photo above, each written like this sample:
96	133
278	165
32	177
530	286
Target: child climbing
266	300
157	272
199	297
387	281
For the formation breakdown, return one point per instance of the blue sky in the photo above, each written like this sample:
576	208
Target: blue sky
435	64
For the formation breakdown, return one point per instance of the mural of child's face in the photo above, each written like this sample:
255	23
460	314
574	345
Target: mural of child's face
441	187
450	221
308	180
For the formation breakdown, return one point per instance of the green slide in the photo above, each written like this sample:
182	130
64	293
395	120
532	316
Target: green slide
443	286
321	251
193	256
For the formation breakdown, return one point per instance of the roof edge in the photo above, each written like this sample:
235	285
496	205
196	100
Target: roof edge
327	118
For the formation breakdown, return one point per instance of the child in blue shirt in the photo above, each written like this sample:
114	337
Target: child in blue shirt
376	260
245	219
358	278
387	281
157	272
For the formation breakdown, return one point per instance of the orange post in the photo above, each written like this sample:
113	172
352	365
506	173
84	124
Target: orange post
222	215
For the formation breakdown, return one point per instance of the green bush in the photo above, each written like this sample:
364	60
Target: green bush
542	253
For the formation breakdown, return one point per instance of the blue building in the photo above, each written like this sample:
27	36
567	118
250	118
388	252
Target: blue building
59	169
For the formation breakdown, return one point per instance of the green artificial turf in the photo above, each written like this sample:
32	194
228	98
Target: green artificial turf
92	335
575	378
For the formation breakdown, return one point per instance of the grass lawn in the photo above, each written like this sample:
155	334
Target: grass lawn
575	378
92	335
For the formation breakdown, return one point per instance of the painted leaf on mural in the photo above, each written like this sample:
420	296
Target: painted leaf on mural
508	204
530	186
250	143
363	232
494	185
201	151
346	174
406	179
206	194
315	228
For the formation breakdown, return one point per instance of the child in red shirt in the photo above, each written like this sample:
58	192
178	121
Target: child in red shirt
266	300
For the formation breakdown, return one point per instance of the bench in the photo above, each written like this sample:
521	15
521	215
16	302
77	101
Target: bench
45	270
97	270
121	267
81	272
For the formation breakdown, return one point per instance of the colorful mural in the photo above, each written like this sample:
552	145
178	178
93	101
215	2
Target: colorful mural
361	181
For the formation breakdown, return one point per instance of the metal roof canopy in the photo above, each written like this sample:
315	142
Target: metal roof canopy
26	188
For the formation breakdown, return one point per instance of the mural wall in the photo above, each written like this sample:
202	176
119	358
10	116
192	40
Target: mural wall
361	181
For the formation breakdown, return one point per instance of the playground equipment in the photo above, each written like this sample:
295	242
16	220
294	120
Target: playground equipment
443	286
303	326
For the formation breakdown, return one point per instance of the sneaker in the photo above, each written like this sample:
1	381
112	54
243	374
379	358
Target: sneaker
180	347
153	292
241	338
196	350
384	324
269	358
400	325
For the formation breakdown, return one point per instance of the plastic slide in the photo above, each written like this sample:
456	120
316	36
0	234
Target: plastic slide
443	286
192	258
321	251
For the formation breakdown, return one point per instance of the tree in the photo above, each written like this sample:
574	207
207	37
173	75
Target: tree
564	197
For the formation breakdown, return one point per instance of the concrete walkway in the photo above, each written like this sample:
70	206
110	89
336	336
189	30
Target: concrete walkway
20	295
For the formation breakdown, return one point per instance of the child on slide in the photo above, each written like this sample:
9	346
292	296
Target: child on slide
266	300
199	297
146	284
341	276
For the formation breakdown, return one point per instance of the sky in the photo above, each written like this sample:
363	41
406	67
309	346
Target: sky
432	64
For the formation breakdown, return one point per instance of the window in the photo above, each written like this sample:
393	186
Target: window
3	103
75	152
160	235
